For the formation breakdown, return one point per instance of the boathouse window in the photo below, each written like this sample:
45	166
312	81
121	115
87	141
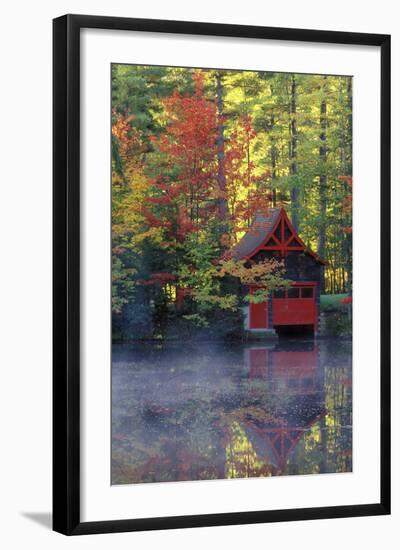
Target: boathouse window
307	292
294	292
280	293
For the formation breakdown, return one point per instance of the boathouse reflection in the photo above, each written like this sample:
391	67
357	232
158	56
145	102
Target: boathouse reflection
267	410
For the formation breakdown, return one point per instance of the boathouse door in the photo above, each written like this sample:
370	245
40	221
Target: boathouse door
258	315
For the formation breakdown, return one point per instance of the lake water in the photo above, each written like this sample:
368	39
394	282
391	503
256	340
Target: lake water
207	411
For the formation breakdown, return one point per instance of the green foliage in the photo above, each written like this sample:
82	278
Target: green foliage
122	284
337	318
333	301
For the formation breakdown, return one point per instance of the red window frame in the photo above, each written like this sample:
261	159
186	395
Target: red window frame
300	286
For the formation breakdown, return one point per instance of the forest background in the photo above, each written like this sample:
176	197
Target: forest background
195	153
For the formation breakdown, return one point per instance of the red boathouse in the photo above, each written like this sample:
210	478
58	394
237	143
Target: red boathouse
271	235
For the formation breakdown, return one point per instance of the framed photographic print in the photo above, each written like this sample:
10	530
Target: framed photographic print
221	274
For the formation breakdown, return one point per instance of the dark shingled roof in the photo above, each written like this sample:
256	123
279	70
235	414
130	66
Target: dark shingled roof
258	232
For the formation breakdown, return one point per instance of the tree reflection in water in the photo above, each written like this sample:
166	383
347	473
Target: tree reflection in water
208	412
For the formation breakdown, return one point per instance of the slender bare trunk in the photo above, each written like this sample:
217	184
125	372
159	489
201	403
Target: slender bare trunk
349	241
222	201
273	166
323	180
294	168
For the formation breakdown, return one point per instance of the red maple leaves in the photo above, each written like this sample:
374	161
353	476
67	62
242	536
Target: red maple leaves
183	189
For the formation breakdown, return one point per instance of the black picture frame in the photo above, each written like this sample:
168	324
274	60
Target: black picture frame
66	272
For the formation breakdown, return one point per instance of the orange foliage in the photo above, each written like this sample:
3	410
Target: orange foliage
129	141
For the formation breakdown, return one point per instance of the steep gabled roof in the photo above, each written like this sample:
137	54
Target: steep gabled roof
270	230
258	232
276	442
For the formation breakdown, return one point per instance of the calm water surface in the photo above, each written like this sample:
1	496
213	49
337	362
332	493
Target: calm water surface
210	411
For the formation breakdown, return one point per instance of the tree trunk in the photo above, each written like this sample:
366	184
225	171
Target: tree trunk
349	166
222	201
346	154
273	152
322	182
273	161
294	169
